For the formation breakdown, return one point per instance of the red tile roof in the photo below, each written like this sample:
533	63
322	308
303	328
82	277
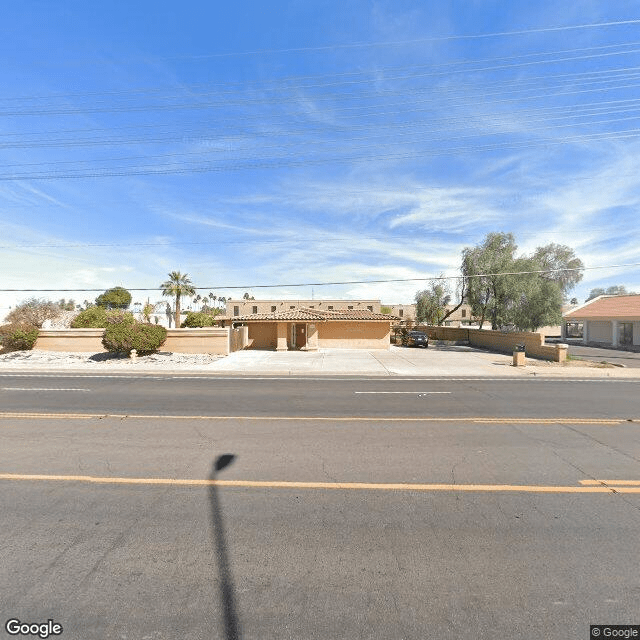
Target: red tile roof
316	315
608	307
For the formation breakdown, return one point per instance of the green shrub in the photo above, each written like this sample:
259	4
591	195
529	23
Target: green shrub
97	318
115	298
18	336
200	319
124	334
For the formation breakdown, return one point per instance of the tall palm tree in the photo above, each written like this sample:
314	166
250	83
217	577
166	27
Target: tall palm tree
176	286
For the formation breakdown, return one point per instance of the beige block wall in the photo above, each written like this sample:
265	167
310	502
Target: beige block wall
212	340
78	340
262	335
354	335
500	341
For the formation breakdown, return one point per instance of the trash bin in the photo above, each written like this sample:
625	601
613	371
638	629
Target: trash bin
518	355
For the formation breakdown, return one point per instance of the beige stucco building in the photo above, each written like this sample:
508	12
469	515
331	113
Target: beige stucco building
311	329
608	320
407	312
242	307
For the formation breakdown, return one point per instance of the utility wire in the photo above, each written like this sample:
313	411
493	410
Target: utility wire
321	284
202	105
277	161
287	83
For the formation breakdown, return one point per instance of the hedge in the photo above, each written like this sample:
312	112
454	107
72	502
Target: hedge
97	318
124	334
18	336
197	320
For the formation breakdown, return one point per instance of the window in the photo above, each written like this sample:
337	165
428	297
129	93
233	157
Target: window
254	309
236	311
311	307
330	306
350	306
464	313
370	308
273	308
401	312
292	307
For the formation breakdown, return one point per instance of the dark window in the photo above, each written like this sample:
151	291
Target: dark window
350	306
273	308
236	311
330	306
401	312
370	308
254	309
464	313
626	333
292	307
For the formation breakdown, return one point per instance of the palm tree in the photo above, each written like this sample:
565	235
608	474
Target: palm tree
176	286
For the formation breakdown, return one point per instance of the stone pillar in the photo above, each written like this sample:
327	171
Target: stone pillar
561	352
518	358
312	337
282	336
614	333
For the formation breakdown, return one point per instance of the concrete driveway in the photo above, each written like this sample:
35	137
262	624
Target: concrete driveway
437	360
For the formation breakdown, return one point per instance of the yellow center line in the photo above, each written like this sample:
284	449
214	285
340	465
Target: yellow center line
614	483
475	419
280	484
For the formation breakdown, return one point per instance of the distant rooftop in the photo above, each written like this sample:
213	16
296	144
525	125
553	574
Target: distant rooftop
608	307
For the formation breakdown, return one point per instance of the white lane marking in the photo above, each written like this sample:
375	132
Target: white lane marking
39	389
421	393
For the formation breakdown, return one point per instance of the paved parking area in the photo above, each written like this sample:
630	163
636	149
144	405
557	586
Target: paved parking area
437	360
616	356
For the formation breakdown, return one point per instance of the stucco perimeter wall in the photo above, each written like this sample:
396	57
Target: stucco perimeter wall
354	335
80	340
502	342
262	335
214	340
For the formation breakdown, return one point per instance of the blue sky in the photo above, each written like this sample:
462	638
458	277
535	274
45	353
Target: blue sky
297	142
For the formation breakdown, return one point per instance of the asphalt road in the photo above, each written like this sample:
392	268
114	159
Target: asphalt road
316	509
197	395
614	356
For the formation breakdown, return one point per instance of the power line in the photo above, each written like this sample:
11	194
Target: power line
278	161
346	282
364	45
203	105
287	82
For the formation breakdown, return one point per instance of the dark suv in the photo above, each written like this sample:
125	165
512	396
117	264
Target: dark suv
417	339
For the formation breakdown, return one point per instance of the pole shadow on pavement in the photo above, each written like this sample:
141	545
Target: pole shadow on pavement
227	594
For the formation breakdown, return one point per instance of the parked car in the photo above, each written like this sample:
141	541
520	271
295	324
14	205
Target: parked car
416	339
